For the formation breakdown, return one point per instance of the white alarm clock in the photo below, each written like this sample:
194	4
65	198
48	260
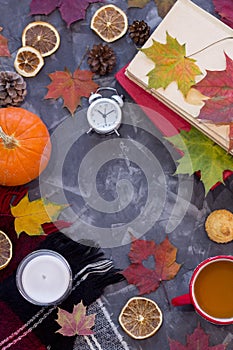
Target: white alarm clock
104	114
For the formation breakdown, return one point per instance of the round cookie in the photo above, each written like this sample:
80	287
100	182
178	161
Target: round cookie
219	226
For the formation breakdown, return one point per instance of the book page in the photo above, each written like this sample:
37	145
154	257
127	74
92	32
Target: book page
195	28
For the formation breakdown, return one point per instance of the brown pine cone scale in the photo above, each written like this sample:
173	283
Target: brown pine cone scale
101	59
12	89
139	32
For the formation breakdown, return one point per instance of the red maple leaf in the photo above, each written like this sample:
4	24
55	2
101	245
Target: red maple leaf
218	86
225	10
148	280
71	87
4	51
70	10
231	137
197	340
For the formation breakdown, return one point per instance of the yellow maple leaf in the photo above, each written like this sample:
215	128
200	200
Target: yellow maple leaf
171	64
29	216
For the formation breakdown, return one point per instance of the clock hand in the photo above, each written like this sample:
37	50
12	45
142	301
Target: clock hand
110	111
103	114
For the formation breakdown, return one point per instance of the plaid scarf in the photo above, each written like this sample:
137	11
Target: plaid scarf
24	326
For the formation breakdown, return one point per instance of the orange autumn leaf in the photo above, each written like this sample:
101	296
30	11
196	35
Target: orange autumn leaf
30	215
4	51
171	65
71	87
148	279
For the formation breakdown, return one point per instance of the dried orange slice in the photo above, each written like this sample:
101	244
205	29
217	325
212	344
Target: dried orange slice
42	36
5	250
109	22
140	318
28	61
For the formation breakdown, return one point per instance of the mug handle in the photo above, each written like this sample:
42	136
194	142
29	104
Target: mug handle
181	300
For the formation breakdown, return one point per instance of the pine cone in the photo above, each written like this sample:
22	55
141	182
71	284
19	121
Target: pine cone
101	59
12	89
139	32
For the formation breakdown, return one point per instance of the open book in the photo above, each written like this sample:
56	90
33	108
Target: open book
196	29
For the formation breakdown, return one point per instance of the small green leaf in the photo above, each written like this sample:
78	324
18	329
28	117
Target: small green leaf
201	154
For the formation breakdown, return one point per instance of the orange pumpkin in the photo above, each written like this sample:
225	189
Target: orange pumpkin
25	146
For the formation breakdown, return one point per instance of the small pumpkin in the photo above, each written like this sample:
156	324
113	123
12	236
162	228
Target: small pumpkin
25	146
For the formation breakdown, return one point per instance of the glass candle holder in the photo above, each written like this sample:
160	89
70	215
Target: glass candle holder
44	277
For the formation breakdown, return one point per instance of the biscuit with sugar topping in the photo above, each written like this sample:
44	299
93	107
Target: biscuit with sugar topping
219	226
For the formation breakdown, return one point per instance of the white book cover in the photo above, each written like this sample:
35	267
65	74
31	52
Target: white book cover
195	28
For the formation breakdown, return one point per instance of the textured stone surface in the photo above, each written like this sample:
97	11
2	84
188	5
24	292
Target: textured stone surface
119	185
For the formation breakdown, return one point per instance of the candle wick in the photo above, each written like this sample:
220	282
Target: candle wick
44	277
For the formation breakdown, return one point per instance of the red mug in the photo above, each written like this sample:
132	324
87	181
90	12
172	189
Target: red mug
211	290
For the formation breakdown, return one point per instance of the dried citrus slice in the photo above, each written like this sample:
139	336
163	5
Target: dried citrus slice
42	36
140	317
109	22
28	61
5	250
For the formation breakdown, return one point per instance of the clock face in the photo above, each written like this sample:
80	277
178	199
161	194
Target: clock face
104	115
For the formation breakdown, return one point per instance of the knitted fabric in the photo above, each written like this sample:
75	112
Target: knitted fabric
106	335
24	326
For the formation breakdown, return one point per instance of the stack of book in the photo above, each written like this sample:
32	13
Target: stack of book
207	40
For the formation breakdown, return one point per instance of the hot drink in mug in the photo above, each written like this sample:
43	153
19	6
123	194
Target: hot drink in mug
211	290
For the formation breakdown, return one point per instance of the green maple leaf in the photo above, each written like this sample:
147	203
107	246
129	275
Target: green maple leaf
200	153
171	64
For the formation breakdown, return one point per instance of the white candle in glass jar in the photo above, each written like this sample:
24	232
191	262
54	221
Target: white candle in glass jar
44	277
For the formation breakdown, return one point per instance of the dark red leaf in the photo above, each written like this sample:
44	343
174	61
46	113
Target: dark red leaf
4	51
218	86
197	340
225	10
70	10
141	250
148	280
52	227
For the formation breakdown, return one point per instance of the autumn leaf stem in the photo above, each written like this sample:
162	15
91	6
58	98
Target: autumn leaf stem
83	56
166	295
206	47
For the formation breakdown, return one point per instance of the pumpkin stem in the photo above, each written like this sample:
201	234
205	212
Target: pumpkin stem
9	141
